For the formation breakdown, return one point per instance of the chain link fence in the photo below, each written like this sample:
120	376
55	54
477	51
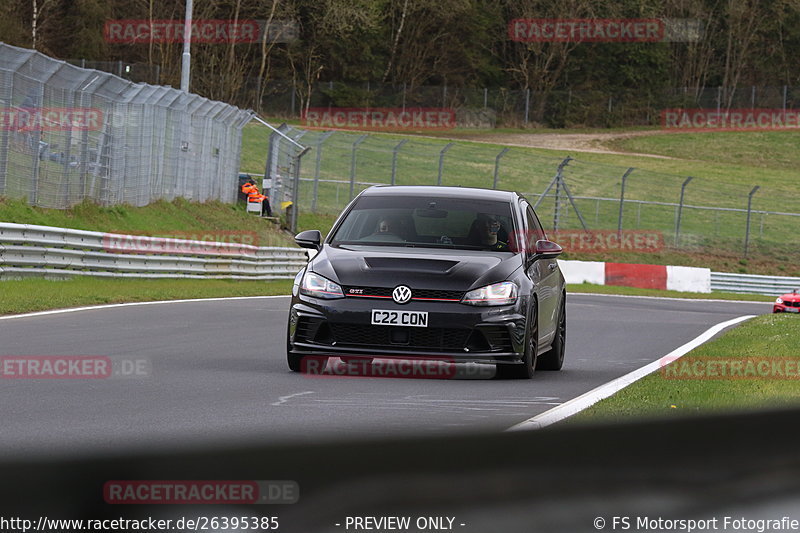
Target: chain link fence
689	212
68	134
490	107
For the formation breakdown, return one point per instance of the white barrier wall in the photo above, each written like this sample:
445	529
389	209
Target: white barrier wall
675	278
583	271
688	279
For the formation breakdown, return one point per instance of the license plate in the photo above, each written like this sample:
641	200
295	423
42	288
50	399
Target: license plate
792	310
418	319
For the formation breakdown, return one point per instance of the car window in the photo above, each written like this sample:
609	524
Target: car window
424	221
534	231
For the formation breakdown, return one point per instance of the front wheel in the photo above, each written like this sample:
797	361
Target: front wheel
553	359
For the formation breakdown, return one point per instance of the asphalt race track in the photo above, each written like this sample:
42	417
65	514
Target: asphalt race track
218	376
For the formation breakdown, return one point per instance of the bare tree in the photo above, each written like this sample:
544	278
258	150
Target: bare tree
540	66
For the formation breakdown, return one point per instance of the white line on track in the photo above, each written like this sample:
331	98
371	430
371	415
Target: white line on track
110	306
588	399
283	399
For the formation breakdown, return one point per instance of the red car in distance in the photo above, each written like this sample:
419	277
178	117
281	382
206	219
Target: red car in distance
787	303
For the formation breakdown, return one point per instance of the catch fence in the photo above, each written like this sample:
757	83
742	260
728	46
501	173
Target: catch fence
692	213
69	134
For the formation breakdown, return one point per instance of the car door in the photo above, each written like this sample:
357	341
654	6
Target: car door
544	274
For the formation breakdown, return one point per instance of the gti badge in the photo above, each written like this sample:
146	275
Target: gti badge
401	294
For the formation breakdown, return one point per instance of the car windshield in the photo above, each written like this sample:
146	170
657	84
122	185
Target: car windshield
413	221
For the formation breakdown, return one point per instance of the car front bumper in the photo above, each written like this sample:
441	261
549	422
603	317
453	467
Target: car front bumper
456	332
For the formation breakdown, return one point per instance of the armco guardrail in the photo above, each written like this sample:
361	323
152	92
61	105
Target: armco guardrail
30	250
753	284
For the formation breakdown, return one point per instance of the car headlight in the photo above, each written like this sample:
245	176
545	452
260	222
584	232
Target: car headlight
503	293
779	300
319	287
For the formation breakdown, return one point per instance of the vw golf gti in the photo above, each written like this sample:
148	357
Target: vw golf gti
427	272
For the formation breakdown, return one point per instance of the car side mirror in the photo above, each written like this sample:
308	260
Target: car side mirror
547	249
309	239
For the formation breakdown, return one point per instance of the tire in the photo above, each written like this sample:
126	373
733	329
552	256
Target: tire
307	364
553	359
525	369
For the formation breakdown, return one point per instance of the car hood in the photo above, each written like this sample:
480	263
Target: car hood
791	297
420	268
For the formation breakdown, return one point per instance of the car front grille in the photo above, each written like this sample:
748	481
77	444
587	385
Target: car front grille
440	339
416	294
792	304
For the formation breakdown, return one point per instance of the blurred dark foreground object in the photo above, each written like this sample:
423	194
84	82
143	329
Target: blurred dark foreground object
556	479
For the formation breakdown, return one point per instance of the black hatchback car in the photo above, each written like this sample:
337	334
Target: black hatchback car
428	272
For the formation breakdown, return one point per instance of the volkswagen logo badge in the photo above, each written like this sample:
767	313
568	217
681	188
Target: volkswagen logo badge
401	294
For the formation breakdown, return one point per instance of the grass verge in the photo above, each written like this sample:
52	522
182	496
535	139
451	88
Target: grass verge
179	218
578	288
690	388
35	294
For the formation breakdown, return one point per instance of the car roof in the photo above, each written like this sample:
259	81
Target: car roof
439	191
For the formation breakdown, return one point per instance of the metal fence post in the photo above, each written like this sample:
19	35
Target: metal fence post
318	161
749	209
622	200
557	205
353	164
296	188
395	151
441	162
36	151
556	178
680	210
527	104
497	165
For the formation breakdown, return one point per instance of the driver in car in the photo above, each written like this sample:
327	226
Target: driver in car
484	232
